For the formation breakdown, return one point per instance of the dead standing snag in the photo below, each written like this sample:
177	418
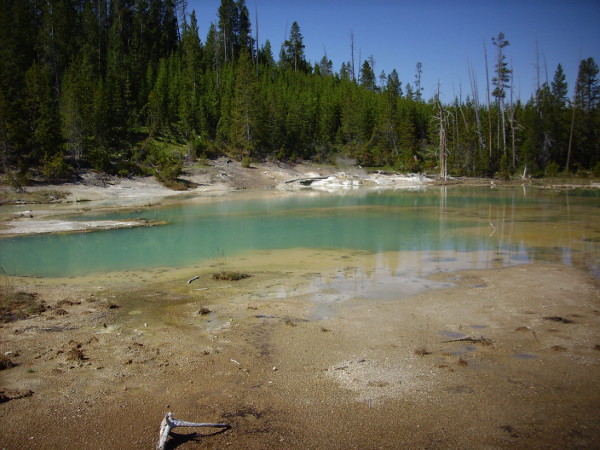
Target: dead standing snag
169	422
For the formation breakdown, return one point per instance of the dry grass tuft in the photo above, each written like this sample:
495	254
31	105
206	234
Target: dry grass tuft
75	354
6	363
422	351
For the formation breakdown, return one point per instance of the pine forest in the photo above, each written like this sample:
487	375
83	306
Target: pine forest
130	87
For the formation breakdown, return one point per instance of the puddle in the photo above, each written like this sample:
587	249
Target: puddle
452	334
378	283
215	324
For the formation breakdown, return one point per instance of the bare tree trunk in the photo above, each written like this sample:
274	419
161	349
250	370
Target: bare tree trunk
475	92
441	118
257	50
352	54
568	165
512	129
503	127
489	108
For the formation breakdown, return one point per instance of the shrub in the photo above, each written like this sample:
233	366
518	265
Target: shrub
56	168
552	170
230	276
167	165
246	161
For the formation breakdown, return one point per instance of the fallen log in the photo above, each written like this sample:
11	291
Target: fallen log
169	422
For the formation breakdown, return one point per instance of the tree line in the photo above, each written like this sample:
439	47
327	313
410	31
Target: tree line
111	84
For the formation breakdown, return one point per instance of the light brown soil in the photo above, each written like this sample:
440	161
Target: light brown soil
110	356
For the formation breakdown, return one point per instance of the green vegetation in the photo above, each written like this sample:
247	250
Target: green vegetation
230	276
126	88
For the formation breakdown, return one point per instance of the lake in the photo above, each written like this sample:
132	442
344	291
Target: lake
461	227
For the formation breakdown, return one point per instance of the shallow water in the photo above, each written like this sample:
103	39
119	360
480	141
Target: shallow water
452	228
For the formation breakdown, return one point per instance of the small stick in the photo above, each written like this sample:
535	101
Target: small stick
193	279
169	422
481	340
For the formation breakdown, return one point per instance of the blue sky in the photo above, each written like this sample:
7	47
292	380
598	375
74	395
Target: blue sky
445	36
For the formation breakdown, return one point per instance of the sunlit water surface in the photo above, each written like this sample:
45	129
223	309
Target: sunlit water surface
450	228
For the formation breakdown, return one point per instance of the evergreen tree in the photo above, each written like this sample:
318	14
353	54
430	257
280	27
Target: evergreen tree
191	88
325	66
588	89
367	77
42	117
587	115
294	49
265	55
559	86
235	32
501	83
245	120
418	92
76	108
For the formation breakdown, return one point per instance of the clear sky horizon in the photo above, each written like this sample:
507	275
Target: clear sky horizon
444	36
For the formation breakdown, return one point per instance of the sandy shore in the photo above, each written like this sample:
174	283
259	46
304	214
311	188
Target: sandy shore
501	358
302	354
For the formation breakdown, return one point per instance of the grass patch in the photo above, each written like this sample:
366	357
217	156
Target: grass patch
230	276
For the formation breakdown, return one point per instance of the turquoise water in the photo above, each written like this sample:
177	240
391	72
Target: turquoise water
530	225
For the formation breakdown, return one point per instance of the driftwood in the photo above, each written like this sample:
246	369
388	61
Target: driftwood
193	279
305	181
169	422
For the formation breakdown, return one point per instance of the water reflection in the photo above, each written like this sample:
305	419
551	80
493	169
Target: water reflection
479	227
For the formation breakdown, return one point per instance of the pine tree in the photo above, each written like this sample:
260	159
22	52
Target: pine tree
588	88
367	77
191	88
587	108
501	82
294	49
418	92
265	55
244	129
76	107
42	116
325	66
559	86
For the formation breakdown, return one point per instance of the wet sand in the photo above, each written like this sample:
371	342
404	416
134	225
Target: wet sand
309	352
